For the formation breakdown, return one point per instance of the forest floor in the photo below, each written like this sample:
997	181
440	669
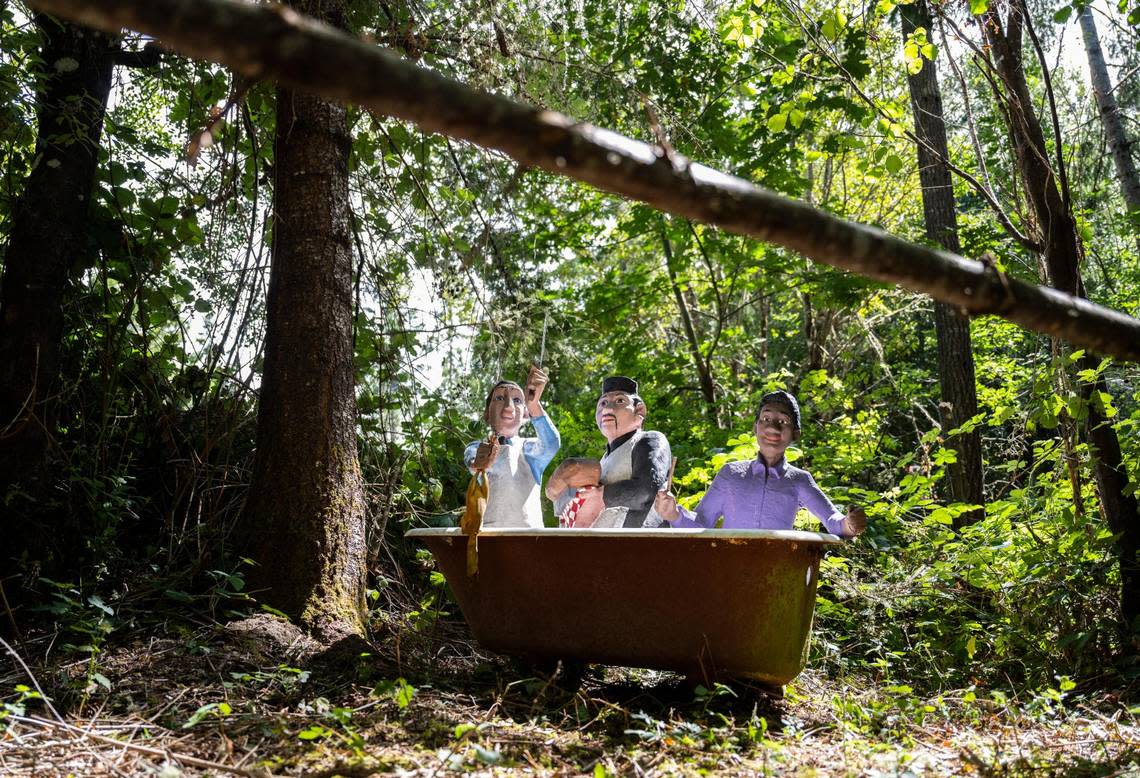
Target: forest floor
252	698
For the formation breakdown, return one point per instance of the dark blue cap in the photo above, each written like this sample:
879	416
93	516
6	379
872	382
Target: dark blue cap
786	399
619	383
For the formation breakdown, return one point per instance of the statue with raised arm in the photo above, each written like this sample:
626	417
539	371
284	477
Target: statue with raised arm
513	464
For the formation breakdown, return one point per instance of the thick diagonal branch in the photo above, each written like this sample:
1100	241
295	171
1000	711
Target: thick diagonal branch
275	42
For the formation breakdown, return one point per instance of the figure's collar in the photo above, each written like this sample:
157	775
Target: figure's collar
778	469
505	441
619	442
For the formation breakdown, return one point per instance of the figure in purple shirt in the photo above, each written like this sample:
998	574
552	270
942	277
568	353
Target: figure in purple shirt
767	492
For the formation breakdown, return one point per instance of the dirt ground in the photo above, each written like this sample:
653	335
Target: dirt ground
256	697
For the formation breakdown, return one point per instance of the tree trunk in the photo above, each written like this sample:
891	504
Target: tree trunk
49	236
1063	252
817	330
959	396
1062	262
306	501
1110	118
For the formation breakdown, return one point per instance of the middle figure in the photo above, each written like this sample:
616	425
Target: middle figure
619	490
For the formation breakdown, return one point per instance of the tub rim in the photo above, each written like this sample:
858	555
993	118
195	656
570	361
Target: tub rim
792	535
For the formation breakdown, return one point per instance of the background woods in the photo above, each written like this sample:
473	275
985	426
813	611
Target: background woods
245	330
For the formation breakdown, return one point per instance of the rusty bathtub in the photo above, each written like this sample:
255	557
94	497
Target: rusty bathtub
709	603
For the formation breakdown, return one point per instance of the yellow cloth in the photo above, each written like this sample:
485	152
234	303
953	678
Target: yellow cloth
472	519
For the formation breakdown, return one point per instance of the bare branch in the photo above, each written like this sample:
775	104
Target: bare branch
1058	141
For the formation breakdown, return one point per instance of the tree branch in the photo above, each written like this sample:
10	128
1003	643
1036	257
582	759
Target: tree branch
146	57
276	42
1058	142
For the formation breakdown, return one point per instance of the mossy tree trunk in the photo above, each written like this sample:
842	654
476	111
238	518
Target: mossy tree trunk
306	502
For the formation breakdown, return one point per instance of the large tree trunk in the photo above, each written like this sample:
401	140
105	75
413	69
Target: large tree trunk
959	395
306	500
49	236
1110	119
1063	252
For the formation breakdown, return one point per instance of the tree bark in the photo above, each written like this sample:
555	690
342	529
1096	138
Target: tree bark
49	235
306	502
274	42
1118	144
956	378
817	329
1063	253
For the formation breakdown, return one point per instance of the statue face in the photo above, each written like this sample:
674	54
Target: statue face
617	415
506	411
774	432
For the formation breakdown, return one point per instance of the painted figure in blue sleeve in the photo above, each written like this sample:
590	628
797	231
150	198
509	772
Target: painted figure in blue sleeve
619	489
767	492
515	465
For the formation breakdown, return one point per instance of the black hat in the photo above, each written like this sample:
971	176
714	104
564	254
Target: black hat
780	397
619	383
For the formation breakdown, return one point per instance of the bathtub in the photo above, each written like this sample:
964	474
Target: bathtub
708	603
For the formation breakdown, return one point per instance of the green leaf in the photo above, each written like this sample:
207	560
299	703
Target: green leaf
97	601
404	693
833	24
1106	407
314	732
487	756
200	714
893	162
978	7
941	516
777	122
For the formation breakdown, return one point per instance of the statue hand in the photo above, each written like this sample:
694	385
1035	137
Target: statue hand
536	381
855	522
666	506
486	454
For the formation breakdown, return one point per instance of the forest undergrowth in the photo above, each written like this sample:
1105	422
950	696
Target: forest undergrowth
210	686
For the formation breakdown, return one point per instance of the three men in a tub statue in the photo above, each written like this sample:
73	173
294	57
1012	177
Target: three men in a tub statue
767	492
619	489
514	465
